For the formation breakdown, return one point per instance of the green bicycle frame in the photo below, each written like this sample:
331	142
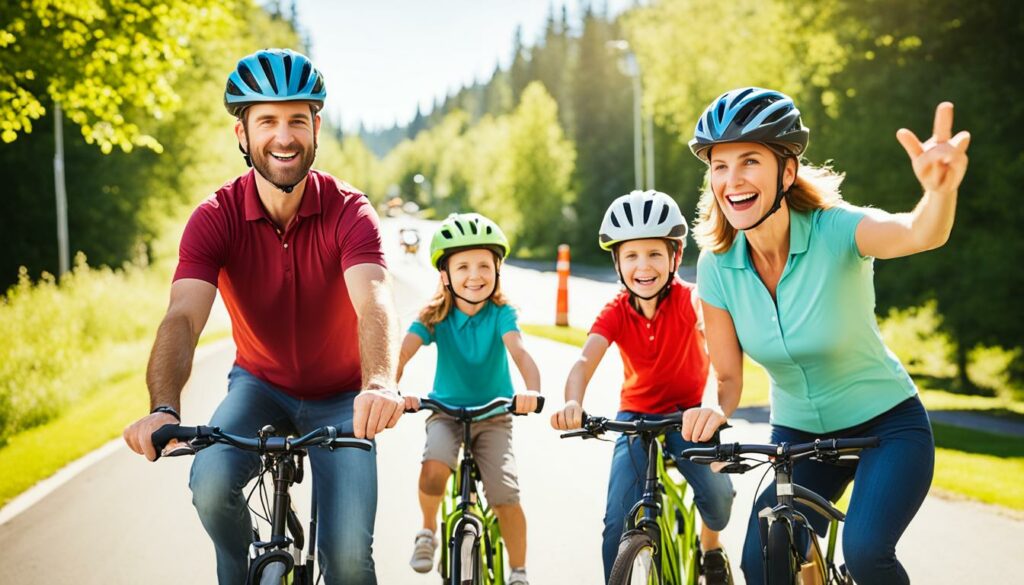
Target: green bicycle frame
492	552
676	520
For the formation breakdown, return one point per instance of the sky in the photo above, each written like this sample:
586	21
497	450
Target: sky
380	58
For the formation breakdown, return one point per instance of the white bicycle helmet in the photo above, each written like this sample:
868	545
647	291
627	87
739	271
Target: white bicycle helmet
641	215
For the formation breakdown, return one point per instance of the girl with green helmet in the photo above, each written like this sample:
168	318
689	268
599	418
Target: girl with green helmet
475	330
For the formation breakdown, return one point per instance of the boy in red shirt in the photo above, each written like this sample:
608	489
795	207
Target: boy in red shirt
656	324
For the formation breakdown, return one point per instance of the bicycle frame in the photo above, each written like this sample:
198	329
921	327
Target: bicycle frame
282	458
662	503
287	469
462	504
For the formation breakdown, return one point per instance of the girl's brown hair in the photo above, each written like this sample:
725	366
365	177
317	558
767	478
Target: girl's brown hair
815	188
441	304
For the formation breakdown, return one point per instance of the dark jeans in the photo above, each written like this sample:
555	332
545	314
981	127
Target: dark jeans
345	481
890	482
712	492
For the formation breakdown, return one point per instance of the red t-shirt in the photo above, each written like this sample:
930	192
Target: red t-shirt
291	316
664	359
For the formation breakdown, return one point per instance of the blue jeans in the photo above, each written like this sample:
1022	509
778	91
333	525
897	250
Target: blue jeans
890	482
344	480
712	492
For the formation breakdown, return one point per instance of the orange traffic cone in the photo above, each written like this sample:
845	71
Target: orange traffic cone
562	306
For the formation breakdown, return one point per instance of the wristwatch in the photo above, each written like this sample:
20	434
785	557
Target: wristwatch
168	409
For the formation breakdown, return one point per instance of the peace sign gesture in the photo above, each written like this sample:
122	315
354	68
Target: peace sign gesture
941	161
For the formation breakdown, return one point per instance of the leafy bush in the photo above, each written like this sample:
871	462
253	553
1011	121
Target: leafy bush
62	338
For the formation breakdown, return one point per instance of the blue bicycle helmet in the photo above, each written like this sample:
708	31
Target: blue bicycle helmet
751	114
273	75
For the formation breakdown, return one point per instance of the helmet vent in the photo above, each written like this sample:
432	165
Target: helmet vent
233	89
615	220
664	215
629	213
462	230
720	110
249	79
304	77
447	234
488	230
647	209
268	71
319	87
473	228
287	67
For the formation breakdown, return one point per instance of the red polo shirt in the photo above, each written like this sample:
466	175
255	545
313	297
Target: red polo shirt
291	316
664	358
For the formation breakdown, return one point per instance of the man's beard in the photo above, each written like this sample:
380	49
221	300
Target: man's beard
262	161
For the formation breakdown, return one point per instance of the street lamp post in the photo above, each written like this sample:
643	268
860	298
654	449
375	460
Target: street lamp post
62	197
631	67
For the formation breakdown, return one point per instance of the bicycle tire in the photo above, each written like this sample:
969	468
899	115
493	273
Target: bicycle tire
779	559
465	556
635	563
274	573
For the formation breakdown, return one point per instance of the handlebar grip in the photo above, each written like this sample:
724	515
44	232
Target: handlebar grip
340	442
512	406
857	443
164	434
574	434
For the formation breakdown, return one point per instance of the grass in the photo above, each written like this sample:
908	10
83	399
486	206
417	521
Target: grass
115	400
568	335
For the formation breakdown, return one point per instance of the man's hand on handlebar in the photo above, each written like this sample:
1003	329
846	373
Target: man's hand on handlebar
375	410
139	434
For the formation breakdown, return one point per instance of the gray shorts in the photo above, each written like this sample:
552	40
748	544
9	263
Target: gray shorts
491	444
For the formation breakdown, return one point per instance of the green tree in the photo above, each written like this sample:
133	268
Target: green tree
541	162
109	64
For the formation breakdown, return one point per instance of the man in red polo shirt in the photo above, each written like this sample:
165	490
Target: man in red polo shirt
297	257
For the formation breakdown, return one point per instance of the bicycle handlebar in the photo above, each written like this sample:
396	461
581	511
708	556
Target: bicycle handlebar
790	451
470	412
204	436
594	426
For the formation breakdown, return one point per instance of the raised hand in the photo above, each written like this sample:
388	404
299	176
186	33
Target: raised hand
941	161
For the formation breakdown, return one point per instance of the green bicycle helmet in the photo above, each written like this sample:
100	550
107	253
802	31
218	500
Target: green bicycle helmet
460	231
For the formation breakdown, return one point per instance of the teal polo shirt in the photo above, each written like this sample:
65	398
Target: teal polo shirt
821	346
472	364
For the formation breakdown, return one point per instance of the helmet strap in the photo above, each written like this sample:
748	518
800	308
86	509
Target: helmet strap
780	194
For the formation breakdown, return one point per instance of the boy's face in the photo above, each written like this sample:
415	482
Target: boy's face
472	274
645	265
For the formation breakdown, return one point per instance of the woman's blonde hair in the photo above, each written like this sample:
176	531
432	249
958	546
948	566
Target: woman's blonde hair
815	188
440	305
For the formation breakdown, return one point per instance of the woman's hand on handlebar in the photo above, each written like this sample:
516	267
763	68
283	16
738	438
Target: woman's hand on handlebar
569	418
700	424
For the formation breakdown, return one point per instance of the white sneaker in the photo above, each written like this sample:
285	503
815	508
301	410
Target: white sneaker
518	577
423	551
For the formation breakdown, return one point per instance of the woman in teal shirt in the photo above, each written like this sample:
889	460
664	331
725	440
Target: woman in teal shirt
785	276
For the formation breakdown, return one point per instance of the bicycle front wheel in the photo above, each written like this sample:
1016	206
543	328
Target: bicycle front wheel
274	573
779	561
635	563
465	556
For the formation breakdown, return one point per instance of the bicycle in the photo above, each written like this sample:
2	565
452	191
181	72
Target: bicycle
467	520
659	543
277	561
784	564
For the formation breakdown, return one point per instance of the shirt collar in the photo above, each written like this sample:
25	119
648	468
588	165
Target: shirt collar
460	319
309	206
799	236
